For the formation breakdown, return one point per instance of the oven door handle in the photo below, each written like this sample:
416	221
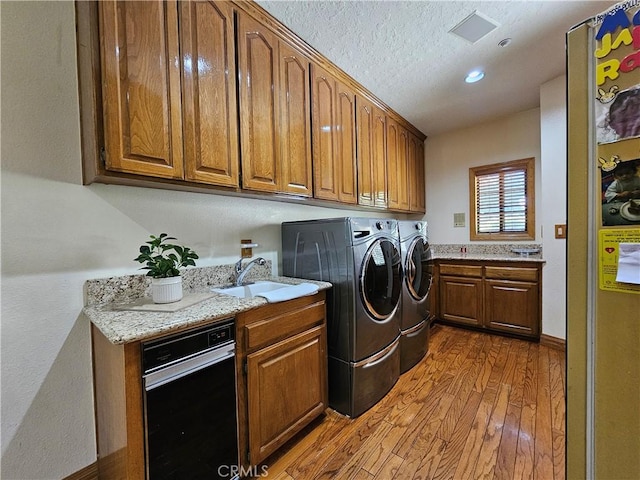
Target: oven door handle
187	367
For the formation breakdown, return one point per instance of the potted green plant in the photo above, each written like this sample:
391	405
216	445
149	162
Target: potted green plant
163	261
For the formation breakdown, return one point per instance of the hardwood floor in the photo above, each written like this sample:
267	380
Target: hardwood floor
477	406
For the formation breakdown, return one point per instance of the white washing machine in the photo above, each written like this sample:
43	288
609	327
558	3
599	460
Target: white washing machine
415	317
361	258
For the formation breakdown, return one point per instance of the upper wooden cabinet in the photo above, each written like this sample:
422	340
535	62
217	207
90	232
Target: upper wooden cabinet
333	138
198	94
150	128
398	166
141	87
295	121
258	72
209	93
275	124
371	126
416	181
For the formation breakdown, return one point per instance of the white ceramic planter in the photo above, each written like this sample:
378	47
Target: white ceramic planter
166	290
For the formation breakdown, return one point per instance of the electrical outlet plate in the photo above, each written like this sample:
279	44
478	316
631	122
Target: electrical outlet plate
246	252
459	220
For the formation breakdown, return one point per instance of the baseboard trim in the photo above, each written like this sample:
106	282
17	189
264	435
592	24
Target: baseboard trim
553	342
90	472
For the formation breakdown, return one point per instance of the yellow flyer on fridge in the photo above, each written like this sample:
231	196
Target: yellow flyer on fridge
609	253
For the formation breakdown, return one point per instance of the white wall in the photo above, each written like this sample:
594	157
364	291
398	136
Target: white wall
553	120
57	233
450	155
538	133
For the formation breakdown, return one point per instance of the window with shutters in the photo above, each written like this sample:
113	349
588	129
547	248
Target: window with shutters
502	201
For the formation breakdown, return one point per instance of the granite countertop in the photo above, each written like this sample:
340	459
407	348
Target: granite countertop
499	252
120	325
512	257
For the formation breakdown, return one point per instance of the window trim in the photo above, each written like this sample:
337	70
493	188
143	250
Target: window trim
526	164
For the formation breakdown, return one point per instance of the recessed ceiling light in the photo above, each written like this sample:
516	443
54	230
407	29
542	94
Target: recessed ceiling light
474	76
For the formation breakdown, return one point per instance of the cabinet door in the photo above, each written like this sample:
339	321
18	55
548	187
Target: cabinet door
416	175
461	300
421	204
209	93
397	162
326	174
345	131
258	72
512	307
287	387
365	146
379	157
334	143
141	87
295	121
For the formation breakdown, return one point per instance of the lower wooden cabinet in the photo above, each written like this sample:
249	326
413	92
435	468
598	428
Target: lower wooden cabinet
285	386
512	307
461	300
119	415
281	384
282	378
497	296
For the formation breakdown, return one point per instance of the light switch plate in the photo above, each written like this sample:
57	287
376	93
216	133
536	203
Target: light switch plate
459	220
561	230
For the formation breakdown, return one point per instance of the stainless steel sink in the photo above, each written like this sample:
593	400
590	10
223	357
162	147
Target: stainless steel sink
250	291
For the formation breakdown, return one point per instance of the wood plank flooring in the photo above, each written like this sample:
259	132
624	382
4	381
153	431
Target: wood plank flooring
477	406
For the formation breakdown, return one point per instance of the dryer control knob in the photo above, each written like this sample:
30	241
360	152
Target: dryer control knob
418	226
379	225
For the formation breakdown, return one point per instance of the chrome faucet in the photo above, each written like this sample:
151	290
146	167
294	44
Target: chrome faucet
242	272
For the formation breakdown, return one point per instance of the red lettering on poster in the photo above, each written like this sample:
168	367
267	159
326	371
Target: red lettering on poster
630	62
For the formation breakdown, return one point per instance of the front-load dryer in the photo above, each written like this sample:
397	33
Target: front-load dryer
415	317
361	258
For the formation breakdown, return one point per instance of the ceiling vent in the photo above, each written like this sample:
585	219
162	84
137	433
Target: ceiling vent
474	27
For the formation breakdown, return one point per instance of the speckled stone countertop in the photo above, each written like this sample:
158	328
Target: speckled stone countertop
495	253
488	257
120	325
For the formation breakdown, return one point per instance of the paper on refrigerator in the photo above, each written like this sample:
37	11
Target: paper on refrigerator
629	263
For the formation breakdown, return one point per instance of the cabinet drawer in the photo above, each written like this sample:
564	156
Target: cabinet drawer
461	270
267	331
512	273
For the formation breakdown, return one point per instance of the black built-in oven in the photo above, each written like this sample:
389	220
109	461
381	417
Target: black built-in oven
190	405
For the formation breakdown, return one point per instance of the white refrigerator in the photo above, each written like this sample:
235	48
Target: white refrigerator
603	246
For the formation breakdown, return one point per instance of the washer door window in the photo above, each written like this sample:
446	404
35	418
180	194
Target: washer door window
419	269
380	281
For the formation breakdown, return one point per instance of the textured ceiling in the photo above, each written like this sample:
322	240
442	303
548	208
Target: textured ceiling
402	52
